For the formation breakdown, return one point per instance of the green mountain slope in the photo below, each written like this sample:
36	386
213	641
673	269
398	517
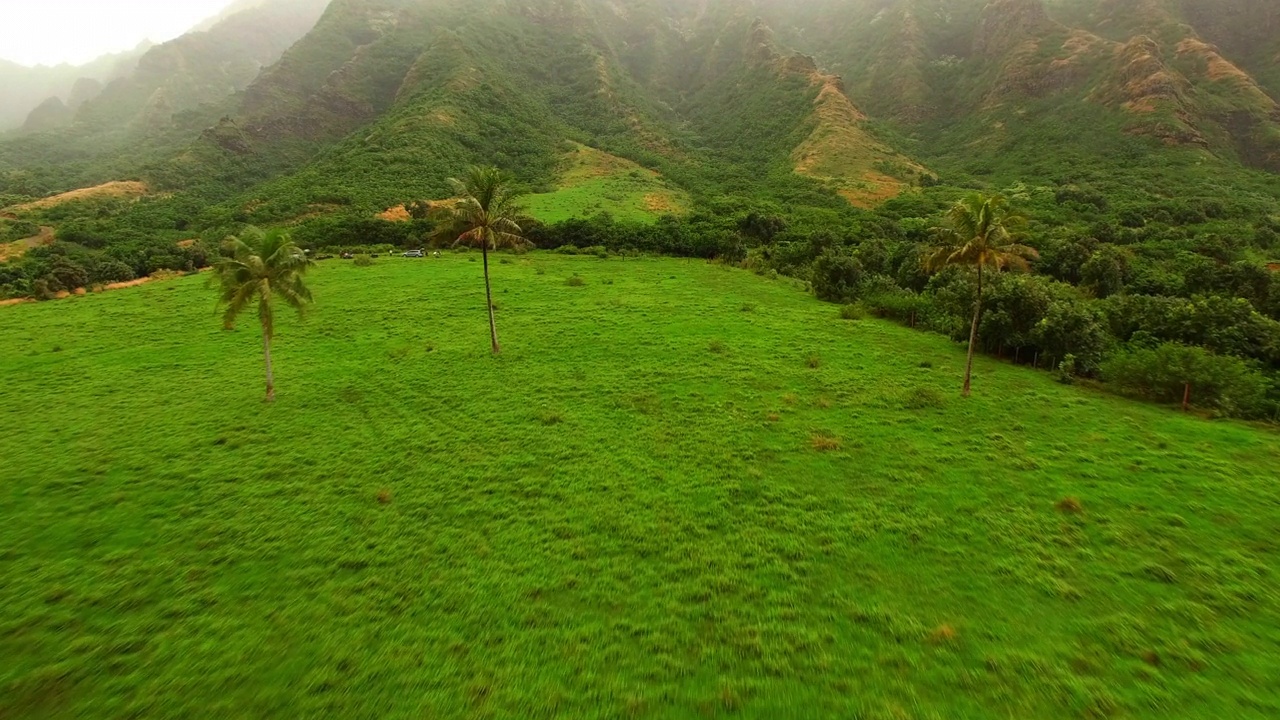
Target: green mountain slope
824	104
390	99
176	90
936	64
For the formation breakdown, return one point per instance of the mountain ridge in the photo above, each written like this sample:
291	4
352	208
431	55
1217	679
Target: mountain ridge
714	92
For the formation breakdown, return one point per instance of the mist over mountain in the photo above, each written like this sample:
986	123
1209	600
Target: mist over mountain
207	65
22	88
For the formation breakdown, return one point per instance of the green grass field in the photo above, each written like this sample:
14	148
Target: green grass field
683	491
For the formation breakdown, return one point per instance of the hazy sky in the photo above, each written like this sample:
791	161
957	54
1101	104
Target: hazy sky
48	32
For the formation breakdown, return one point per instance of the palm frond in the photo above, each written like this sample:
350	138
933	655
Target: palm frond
509	240
485	212
980	231
259	265
236	300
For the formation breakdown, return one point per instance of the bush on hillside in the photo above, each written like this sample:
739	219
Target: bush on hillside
63	273
885	299
17	230
852	311
110	271
1225	325
1072	327
837	276
1163	374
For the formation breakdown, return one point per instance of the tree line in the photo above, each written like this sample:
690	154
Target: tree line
1193	306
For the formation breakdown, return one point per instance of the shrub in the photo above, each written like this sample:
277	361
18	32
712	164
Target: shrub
1168	372
40	290
1106	272
1066	372
110	271
363	261
65	274
813	362
852	312
18	230
1266	238
894	304
1131	218
575	281
837	276
1072	326
717	347
923	398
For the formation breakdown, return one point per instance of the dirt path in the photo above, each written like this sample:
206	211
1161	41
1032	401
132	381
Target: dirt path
128	284
15	249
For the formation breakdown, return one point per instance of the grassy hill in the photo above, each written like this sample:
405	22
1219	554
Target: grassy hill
590	182
683	491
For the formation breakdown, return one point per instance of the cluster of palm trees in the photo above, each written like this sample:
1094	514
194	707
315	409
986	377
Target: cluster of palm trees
980	231
266	267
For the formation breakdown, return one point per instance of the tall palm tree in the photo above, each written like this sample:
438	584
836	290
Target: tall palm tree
485	214
980	231
261	266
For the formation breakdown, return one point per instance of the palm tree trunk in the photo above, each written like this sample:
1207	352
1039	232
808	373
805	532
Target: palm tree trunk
973	337
488	297
271	376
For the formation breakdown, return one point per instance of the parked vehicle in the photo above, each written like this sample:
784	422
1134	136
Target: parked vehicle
413	254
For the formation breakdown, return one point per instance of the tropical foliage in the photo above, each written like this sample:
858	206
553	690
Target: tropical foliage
261	268
484	214
982	233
